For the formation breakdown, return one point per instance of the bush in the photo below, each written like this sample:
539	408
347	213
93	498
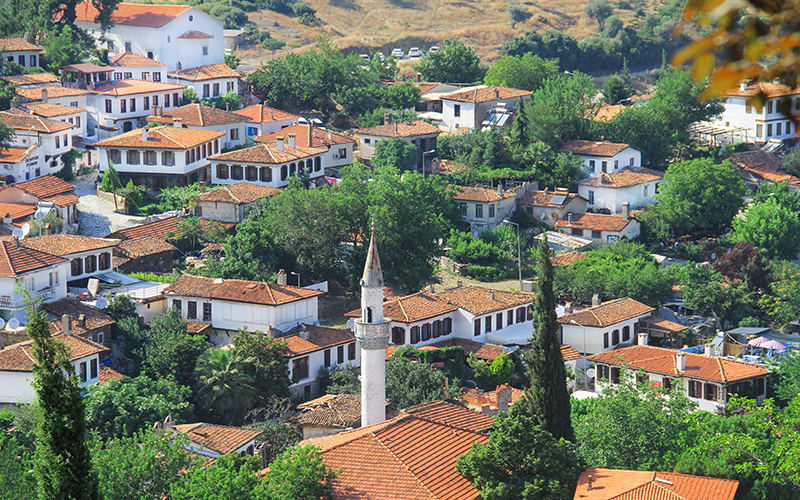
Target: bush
158	278
486	273
466	249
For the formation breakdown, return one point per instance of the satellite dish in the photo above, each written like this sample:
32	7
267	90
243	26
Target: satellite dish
590	373
101	303
26	228
17	233
351	323
2	323
39	215
13	323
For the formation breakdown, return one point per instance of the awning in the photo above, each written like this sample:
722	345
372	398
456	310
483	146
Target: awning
518	333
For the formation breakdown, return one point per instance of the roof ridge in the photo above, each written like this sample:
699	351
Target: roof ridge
598	319
228	189
403	309
403	464
721	370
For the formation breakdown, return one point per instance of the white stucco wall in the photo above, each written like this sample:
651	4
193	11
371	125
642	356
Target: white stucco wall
613	198
626	157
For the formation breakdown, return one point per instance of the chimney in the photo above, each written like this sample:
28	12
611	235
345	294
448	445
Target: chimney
642	338
387	118
419	79
66	323
499	189
44	95
303	332
743	85
292	141
680	361
626	211
213	105
15	102
503	397
270	331
271	115
177	123
15	241
569	219
596	300
145	134
330	135
282	277
7	219
47	230
279	142
568	308
459	284
227	106
589	487
432	289
491	294
496	94
202	187
82	321
709	350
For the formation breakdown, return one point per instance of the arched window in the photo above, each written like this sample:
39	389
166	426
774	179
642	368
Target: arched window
178	65
150	55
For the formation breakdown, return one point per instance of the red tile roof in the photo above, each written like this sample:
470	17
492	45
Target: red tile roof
16	155
44	186
267	154
768	89
567	258
608	313
481	350
319	337
401	129
220	439
254	292
49	110
108	374
67	244
477	398
18	43
412	308
19	357
479	301
480	193
20	120
35	93
34	79
660	360
663	324
763	164
95	318
239	193
259	113
158	229
487	94
569	353
161	138
594	148
129	14
131	86
17	210
545	199
18	260
308	136
133	60
608	484
595	222
198	115
207	72
450	414
331	410
63	200
624	177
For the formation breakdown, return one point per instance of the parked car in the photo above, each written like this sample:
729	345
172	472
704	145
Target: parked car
398	53
435	48
414	52
365	57
380	54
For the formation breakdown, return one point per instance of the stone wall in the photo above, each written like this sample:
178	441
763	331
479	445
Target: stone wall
109	197
453	266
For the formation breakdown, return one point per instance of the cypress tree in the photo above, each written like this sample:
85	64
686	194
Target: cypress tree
519	130
62	461
547	399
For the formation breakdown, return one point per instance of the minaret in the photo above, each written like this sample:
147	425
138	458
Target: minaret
372	333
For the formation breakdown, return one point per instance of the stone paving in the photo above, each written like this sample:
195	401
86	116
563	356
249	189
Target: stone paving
95	215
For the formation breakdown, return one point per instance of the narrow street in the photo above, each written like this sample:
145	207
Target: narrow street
95	215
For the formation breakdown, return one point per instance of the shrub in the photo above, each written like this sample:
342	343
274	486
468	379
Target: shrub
486	273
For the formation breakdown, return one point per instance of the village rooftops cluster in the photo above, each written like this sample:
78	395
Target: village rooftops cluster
615	484
20	120
162	138
267	153
255	292
608	313
19	357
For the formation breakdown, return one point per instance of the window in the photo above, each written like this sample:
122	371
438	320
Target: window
645	190
283	172
251	131
105	261
207	311
529	313
498	324
53	278
33	61
191	310
510	317
216	146
695	389
145	76
351	351
437	329
83	372
252	173
101	338
759	386
155	100
91	263
479	211
605	166
149	157
616	164
641	378
769	107
168	158
590	194
77	267
577	232
414	334
520	315
626	333
666	383
342	152
602	372
631	164
127	75
216	89
234	134
759	130
340	353
788	127
769	130
327	357
133	105
133	157
748	108
447	326
266	174
110	46
78	121
166	101
146	103
591	165
222	171
175	100
463	208
457	110
477	327
487	324
398	335
491	211
605	340
426	332
615	375
128	47
712	392
615	337
778	128
206	90
58	142
237	172
300	368
205	50
596	235
118	76
176	304
156	76
367	141
93	368
123	106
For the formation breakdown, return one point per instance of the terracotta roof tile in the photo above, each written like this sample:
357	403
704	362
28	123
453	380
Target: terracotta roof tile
67	244
20	120
198	115
35	93
133	60
763	164
15	261
341	410
129	14
18	43
221	439
593	148
567	258
108	374
768	89
34	79
49	110
162	138
158	229
624	177
479	301
480	193
44	186
19	357
63	200
207	72
487	94
412	308
478	398
132	86
308	136
254	292
267	154
607	313
197	327
450	414
239	193
319	337
17	210
481	350
595	222
608	484
663	324
569	353
660	360
94	317
400	129
545	199
259	113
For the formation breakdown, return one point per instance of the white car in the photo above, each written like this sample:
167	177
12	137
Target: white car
381	56
398	53
414	52
365	57
435	48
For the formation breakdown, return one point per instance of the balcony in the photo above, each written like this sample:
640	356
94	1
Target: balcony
46	294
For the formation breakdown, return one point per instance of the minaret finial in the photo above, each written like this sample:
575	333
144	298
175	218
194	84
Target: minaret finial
373	276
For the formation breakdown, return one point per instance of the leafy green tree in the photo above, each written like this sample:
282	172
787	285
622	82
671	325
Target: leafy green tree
170	349
522	461
225	385
273	45
340	379
359	100
252	253
401	96
7	94
121	408
476	148
409	383
554	170
276	420
527	72
787	373
455	63
518	14
784	303
519	128
232	60
771	227
779	192
791	163
63	47
189	96
634	427
63	467
144	465
465	248
707	292
546	401
270	373
563	109
16	481
615	90
132	194
501	370
699	194
179	196
395	152
600	10
111	180
222	480
300	472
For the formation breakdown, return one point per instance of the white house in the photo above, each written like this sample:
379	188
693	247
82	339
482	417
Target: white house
228	305
60	113
201	117
484	207
742	121
129	65
54	138
21	51
551	206
45	192
603	157
310	348
263	119
338	148
16	367
228	203
212	440
42	274
633	185
209	81
17	163
161	157
87	256
467	110
706	379
267	164
126	104
418	133
601	228
179	35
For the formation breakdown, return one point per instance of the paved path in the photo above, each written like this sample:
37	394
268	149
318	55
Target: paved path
95	215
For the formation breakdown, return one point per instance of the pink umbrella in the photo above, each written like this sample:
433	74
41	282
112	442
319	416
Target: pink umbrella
773	344
758	342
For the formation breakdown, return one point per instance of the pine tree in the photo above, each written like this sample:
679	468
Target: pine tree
547	399
63	465
519	130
